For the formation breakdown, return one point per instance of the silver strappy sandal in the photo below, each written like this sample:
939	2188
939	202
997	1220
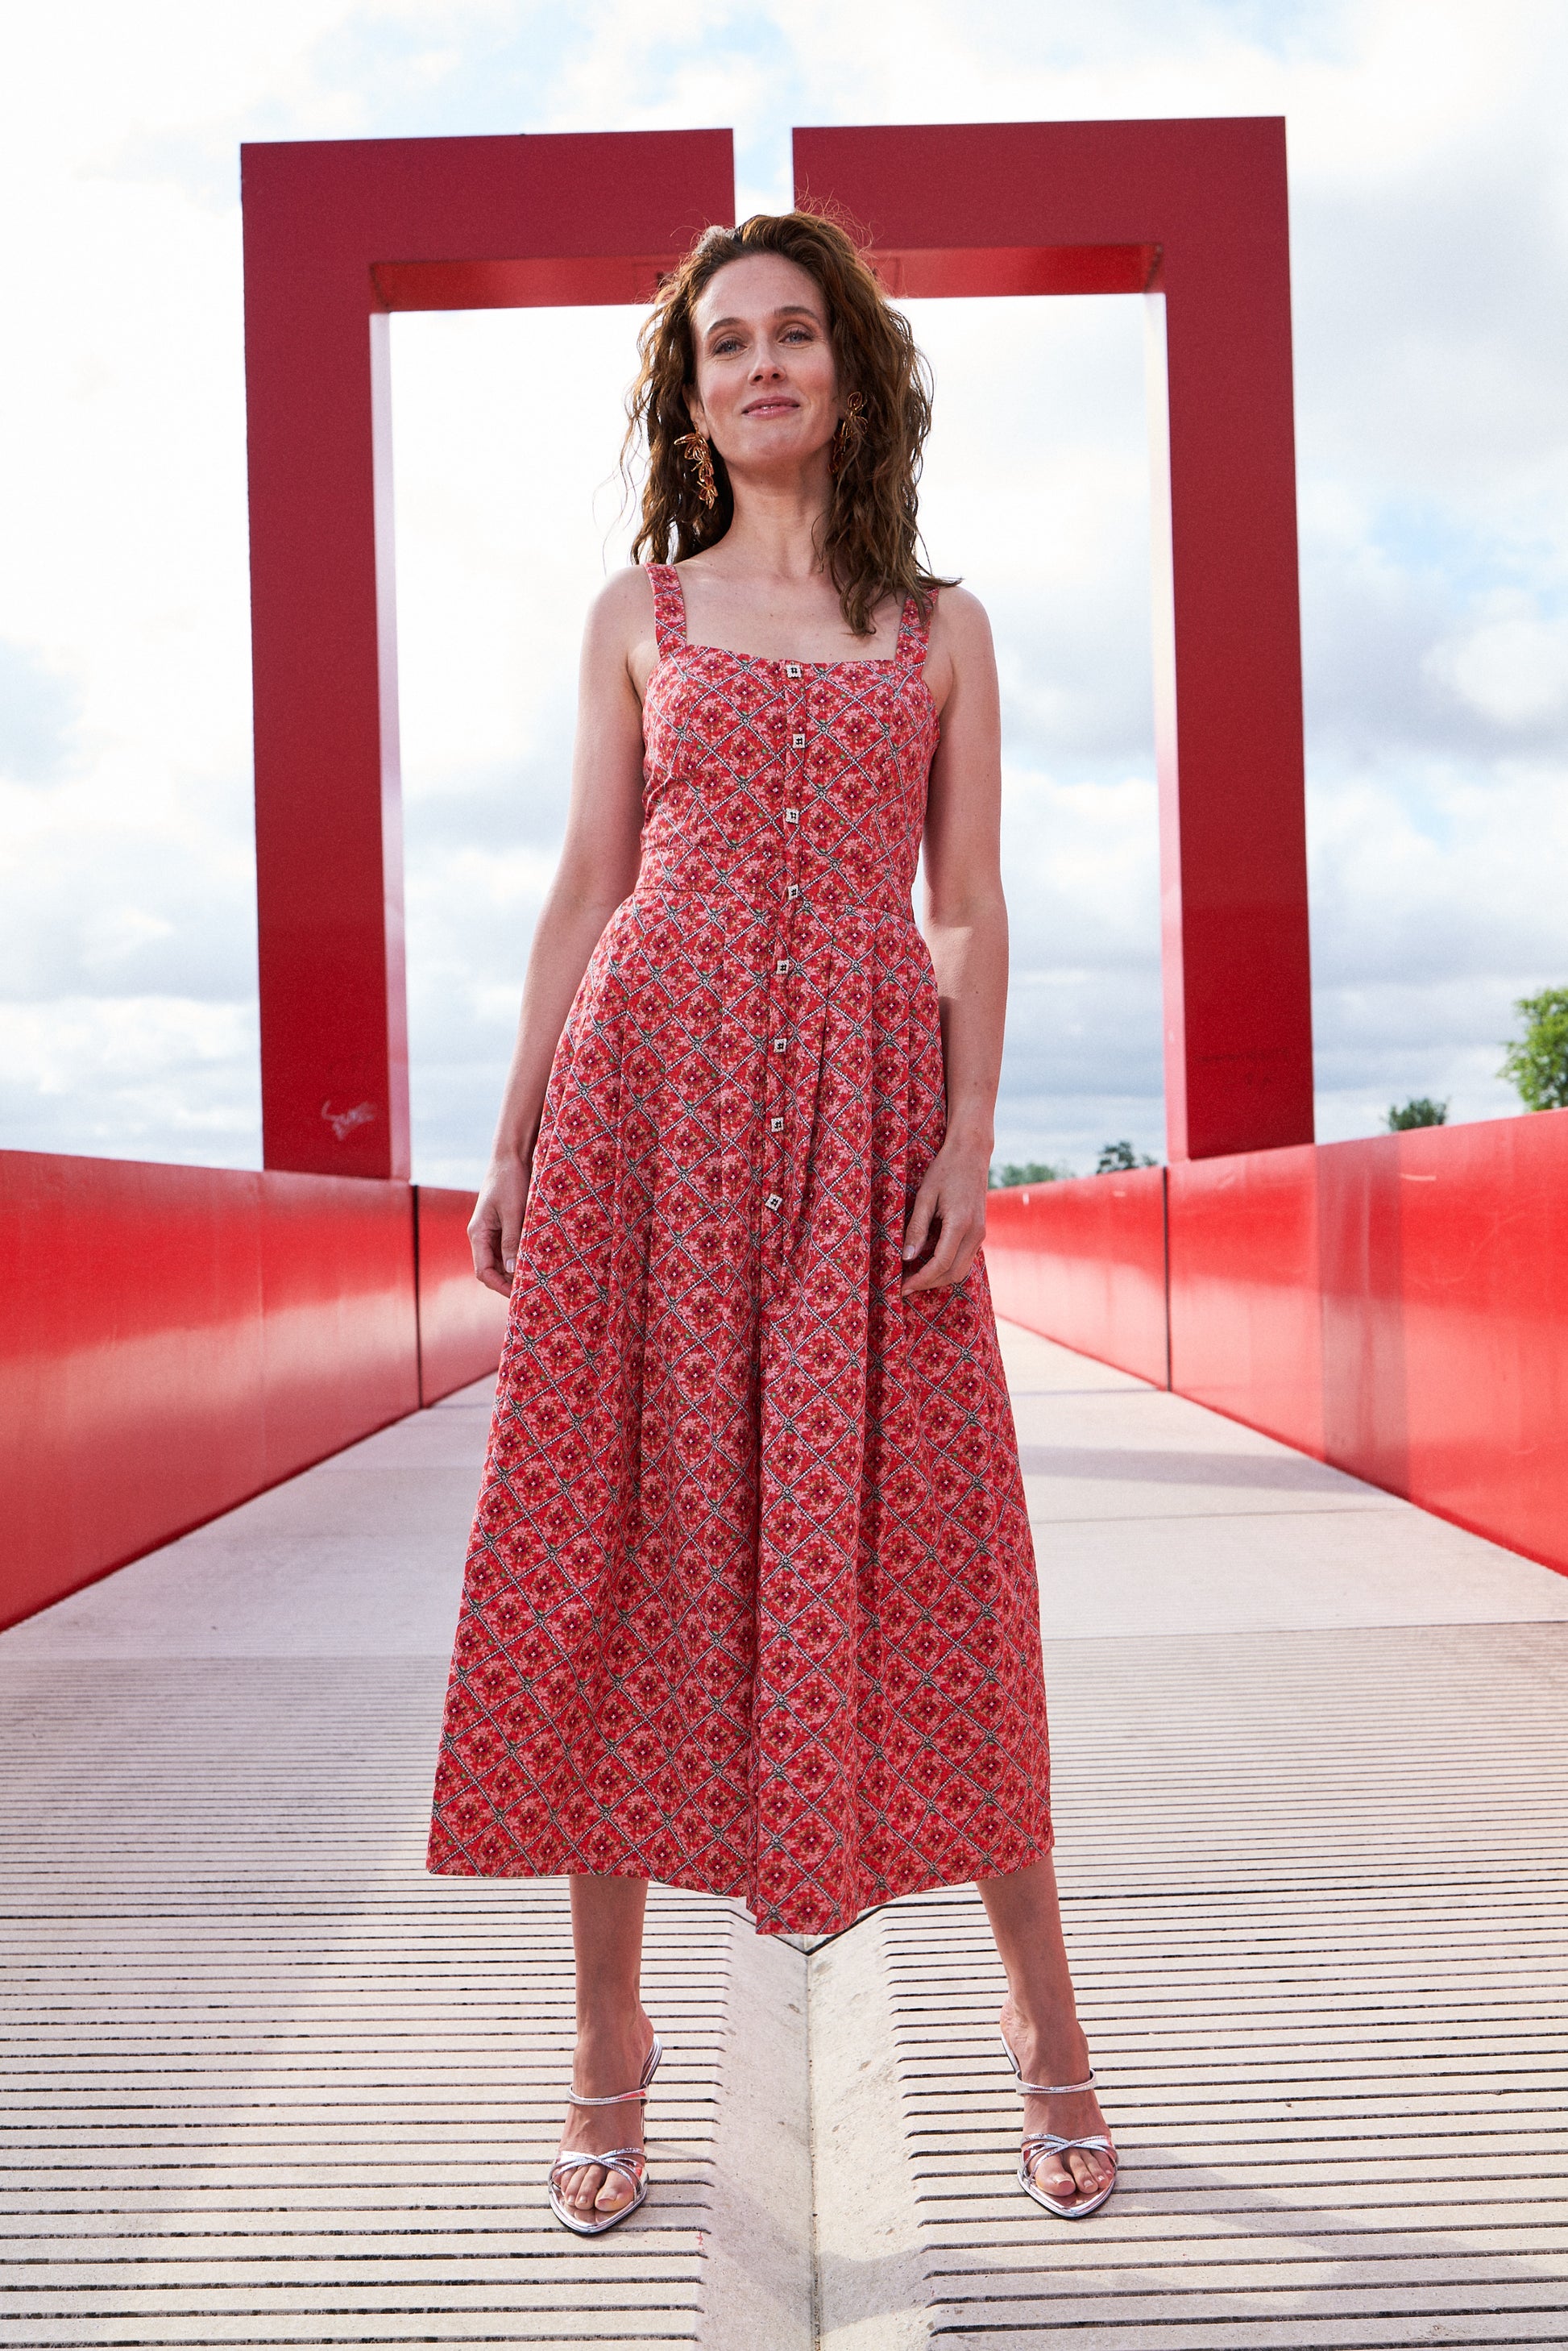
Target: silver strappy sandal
630	2161
1038	2143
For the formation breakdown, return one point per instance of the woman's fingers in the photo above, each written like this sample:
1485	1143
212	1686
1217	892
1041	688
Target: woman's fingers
952	1256
488	1268
917	1230
495	1227
484	1238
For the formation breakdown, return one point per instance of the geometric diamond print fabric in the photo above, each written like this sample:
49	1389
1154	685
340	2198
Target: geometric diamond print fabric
750	1602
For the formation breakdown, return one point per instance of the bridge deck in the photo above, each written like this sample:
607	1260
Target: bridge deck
266	2083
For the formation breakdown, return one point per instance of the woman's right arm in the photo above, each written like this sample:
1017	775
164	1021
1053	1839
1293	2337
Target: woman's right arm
598	869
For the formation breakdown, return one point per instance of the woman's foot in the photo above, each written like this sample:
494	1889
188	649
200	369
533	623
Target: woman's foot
609	2056
1060	2055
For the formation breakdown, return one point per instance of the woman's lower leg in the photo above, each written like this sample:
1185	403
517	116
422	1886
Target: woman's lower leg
613	2035
1040	2023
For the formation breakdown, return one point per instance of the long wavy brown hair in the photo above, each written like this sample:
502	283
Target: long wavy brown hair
870	542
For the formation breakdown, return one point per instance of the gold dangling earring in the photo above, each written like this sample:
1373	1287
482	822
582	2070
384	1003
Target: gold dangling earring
699	455
850	434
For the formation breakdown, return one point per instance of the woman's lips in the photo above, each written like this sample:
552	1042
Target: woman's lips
770	408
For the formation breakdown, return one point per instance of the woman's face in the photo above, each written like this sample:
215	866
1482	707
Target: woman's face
767	390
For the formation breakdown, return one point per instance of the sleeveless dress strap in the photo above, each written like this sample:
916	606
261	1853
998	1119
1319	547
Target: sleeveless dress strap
668	607
914	636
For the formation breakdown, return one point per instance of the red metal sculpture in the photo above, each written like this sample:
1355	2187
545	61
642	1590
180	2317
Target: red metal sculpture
338	235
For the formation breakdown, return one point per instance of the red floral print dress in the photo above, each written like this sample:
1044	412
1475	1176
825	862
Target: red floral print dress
750	1602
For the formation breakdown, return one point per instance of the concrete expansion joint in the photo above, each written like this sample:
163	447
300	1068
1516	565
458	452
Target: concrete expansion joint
814	2234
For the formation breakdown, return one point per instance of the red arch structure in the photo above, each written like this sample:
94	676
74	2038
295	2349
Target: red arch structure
340	234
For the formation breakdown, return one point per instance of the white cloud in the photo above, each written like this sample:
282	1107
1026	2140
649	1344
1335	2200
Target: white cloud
1511	667
1430	195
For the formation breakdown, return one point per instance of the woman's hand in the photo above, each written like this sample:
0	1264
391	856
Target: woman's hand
496	1225
949	1209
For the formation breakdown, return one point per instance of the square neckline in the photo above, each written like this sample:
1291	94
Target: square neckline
894	660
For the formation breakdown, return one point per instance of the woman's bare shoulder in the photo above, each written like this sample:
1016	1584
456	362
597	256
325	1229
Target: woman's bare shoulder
623	606
960	621
960	648
620	629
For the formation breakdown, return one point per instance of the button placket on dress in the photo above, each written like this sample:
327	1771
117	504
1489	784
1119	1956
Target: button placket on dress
776	1090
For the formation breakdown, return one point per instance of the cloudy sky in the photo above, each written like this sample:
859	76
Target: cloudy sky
1429	194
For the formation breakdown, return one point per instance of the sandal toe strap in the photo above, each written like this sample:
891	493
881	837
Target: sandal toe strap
1053	2142
628	2161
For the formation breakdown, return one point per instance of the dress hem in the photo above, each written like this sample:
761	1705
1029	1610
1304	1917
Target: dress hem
691	1882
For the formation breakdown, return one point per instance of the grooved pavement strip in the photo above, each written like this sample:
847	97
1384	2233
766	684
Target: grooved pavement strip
266	2082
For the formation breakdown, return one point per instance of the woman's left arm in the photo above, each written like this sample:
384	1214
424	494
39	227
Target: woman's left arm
966	930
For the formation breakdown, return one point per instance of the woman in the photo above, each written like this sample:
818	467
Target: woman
750	1601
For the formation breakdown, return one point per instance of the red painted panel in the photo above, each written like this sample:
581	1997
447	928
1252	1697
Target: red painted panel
1450	1379
1084	1263
176	1338
1246	1321
339	1328
1020	269
942	203
569	218
518	285
131	1365
1365	1420
1398	1306
461	1324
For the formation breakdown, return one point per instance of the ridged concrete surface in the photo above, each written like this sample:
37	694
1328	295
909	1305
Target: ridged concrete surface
266	2083
1312	1836
1318	1913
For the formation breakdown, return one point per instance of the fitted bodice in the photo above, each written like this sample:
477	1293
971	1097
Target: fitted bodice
767	780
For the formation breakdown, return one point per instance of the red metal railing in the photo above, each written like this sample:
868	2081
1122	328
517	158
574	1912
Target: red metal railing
176	1338
1399	1307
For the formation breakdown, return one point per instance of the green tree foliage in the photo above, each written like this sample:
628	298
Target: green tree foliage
1419	1111
1029	1171
1537	1062
1116	1156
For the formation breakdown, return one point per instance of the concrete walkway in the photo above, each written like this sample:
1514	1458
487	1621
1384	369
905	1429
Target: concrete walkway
266	2083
